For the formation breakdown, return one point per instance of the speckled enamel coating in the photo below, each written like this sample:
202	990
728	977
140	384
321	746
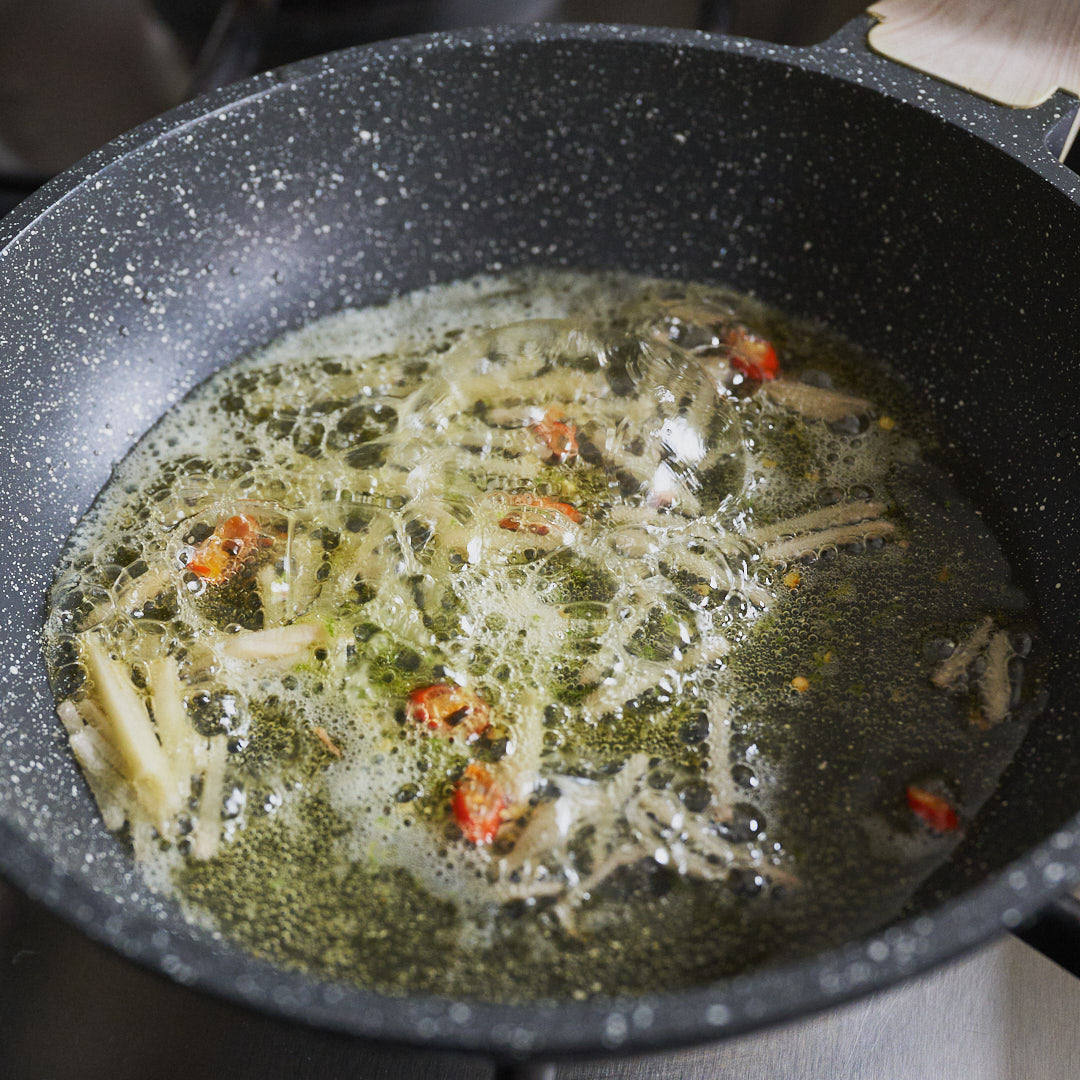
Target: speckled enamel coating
930	226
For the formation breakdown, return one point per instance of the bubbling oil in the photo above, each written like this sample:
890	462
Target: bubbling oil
706	611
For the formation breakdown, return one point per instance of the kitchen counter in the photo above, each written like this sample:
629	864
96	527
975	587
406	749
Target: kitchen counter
70	1010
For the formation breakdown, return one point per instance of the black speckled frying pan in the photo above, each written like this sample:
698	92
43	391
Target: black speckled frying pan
933	227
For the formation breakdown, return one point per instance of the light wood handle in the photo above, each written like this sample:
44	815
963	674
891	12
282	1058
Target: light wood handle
1016	52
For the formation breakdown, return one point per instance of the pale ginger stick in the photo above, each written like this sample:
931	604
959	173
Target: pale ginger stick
173	726
90	714
99	764
207	831
137	591
110	791
324	737
280	643
995	689
784	550
951	669
718	770
814	402
131	733
69	716
842	514
86	716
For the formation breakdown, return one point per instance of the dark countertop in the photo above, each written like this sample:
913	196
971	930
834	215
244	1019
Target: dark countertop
71	1010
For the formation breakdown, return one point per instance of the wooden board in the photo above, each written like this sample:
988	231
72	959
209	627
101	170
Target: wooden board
1016	52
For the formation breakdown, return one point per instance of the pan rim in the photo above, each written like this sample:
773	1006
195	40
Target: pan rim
767	996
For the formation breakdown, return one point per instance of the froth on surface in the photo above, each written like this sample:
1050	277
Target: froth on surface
676	677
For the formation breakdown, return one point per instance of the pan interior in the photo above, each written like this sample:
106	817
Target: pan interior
699	673
385	170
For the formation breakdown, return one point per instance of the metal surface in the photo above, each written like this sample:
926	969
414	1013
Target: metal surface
1003	1013
827	180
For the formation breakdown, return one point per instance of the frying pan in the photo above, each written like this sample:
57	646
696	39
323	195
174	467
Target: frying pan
931	226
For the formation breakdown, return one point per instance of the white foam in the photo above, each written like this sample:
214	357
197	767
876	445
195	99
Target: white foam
342	357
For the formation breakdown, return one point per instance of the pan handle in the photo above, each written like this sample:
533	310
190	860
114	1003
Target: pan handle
1014	52
1055	932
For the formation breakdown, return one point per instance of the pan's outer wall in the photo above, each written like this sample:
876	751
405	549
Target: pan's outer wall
348	179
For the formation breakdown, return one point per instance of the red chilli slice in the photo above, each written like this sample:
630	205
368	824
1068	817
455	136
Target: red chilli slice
448	709
558	434
222	553
937	812
753	355
478	804
538	514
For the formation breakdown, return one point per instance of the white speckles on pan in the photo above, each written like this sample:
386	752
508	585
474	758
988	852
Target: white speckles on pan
829	180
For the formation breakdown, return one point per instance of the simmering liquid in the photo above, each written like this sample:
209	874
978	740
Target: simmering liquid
543	635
